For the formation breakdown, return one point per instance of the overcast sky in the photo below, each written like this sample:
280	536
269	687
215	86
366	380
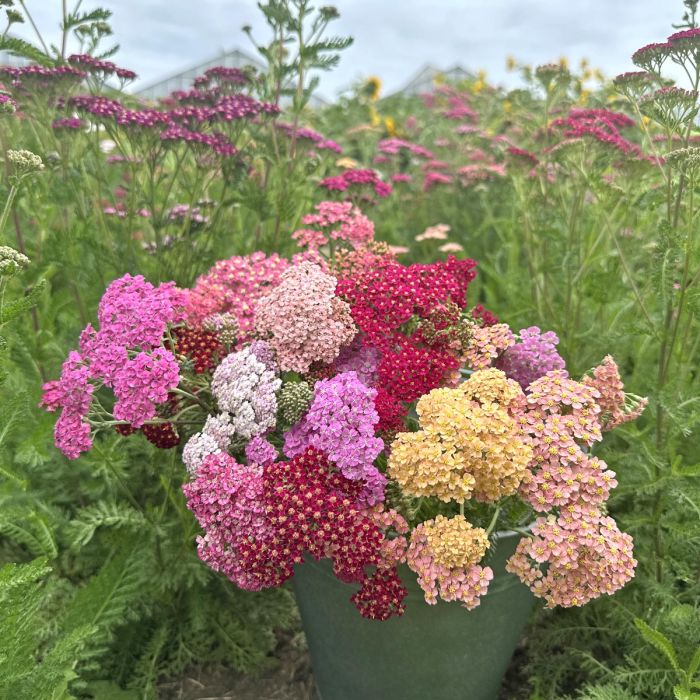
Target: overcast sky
393	38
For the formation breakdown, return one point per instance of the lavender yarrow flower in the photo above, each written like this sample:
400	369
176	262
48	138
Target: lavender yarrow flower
532	357
260	451
361	359
340	423
244	387
265	354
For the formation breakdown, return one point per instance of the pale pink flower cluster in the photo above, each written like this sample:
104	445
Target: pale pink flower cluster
464	582
226	498
451	247
303	320
574	558
583	552
561	417
486	343
234	286
338	221
126	353
434	233
613	401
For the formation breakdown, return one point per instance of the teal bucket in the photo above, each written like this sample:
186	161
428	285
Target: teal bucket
431	652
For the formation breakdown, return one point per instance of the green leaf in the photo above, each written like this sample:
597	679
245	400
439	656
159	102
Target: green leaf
659	641
14	308
683	694
103	514
22	48
694	665
688	470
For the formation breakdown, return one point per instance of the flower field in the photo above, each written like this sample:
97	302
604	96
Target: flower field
242	336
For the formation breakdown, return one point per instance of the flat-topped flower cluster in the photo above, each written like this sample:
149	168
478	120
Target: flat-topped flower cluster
343	405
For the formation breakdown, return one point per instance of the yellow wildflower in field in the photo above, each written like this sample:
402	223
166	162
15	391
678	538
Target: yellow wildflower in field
511	63
346	163
390	126
563	63
469	443
374	87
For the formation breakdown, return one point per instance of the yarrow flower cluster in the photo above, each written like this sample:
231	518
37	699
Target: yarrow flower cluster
246	389
469	444
385	298
234	286
486	344
126	353
357	179
335	221
532	357
574	558
616	406
303	319
445	554
369	417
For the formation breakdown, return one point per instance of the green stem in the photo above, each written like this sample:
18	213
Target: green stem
493	522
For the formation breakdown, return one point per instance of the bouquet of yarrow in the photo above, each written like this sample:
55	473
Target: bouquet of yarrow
343	405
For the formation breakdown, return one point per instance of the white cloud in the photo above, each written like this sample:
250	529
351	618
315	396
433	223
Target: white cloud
393	38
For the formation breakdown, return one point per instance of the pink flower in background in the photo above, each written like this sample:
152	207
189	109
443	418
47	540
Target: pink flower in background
451	248
234	286
339	221
431	178
434	233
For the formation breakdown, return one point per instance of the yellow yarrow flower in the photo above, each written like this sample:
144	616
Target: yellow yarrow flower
455	542
470	443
